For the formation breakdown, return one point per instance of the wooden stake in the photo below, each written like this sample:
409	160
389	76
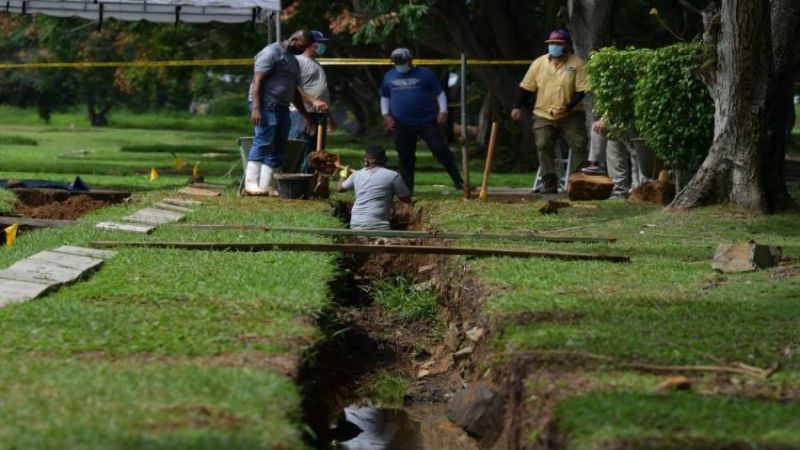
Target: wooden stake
484	194
359	248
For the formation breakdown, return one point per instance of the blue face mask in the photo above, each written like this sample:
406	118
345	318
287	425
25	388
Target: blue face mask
555	50
321	48
402	68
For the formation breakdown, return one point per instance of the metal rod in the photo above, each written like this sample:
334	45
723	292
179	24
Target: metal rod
464	152
359	248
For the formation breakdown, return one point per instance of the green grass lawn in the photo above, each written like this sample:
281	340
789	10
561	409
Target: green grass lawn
176	349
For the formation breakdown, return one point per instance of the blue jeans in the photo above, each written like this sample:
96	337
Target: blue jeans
298	129
269	143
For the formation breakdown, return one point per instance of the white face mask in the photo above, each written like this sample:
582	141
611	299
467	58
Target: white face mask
321	48
402	68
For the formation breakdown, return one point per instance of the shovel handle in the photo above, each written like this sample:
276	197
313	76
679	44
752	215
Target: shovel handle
320	129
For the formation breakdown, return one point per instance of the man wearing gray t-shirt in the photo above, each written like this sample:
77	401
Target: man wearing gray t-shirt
314	82
375	187
276	76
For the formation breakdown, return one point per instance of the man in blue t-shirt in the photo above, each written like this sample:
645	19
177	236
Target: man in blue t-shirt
407	105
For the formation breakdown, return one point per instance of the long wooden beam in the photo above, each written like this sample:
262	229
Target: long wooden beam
344	232
360	248
38	223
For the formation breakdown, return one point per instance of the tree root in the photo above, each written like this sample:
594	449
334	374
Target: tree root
737	368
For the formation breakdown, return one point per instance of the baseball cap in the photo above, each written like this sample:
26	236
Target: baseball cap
401	55
318	36
558	36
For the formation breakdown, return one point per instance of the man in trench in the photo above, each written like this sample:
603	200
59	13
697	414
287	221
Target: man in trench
276	78
375	187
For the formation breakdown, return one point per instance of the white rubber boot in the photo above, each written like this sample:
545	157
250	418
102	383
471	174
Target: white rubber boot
252	173
266	181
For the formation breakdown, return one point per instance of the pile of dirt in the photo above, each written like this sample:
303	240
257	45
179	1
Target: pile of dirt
323	162
657	192
589	187
69	208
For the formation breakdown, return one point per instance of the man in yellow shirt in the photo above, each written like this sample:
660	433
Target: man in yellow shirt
555	85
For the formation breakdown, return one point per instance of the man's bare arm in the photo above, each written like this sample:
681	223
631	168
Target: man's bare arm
318	105
258	82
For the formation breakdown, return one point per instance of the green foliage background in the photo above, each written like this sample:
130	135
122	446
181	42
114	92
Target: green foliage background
654	94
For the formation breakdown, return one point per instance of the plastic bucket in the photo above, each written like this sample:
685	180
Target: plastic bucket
294	185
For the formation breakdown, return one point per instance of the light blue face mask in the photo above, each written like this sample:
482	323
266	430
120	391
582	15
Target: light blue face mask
321	49
402	68
555	50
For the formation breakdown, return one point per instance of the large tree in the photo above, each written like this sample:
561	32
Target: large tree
749	75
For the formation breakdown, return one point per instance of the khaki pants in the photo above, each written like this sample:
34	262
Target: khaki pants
630	164
572	128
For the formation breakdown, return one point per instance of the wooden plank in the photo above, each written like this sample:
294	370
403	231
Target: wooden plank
38	223
71	261
404	233
154	216
169	207
84	251
358	248
131	228
182	202
199	192
208	186
13	291
41	272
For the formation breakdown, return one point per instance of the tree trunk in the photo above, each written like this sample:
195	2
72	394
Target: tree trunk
785	16
98	118
589	23
741	85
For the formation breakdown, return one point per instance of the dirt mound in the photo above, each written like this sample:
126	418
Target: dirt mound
69	208
658	192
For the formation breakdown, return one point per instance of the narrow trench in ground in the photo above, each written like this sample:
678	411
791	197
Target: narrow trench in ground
363	342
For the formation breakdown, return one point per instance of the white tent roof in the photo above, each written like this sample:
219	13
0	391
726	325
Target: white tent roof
162	11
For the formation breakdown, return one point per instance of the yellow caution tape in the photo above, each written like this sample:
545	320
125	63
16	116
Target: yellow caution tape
249	62
196	169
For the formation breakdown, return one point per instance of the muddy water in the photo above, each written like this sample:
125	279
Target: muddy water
418	427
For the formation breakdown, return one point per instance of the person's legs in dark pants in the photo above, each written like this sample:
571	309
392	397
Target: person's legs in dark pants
405	142
433	137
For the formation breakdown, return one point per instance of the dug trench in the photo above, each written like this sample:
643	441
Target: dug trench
460	390
455	393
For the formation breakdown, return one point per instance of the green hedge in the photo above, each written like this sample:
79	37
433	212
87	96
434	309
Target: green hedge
654	94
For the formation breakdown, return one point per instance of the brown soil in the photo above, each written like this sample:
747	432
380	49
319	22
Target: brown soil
55	204
323	162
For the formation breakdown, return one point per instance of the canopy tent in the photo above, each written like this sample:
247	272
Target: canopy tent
161	11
